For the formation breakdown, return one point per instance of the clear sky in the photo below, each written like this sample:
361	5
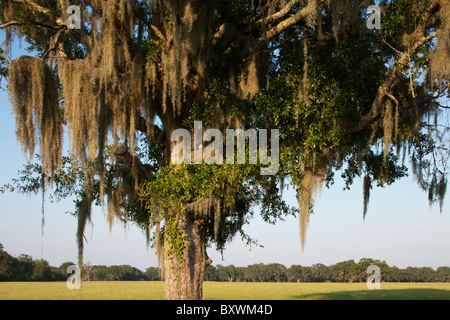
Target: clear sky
400	227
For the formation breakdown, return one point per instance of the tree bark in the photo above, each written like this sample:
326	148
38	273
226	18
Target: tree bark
185	268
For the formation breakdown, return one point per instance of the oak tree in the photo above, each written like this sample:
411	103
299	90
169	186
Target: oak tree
345	98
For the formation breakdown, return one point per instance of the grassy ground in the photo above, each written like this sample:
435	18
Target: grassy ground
227	291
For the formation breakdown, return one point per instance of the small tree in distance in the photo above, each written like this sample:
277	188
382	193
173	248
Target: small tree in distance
343	97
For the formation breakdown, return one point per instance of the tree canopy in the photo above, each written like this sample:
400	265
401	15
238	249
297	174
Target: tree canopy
344	98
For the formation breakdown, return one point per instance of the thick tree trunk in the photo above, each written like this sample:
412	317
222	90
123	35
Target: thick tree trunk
185	265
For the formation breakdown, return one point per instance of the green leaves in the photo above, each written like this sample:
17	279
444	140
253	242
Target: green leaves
176	186
175	238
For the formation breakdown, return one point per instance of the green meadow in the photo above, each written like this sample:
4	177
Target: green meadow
226	291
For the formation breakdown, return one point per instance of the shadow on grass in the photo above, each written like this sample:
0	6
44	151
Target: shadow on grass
392	294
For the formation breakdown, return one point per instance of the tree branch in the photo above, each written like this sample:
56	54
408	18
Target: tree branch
158	33
149	25
418	39
37	23
54	42
287	23
38	8
9	24
33	5
220	32
280	14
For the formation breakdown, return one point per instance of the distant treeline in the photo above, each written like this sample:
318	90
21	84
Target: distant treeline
347	271
24	268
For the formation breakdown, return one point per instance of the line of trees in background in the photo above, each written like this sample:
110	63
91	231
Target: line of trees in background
24	268
346	271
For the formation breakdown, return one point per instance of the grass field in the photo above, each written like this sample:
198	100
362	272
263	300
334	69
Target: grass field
227	291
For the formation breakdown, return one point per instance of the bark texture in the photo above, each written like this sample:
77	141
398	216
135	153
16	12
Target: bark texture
185	268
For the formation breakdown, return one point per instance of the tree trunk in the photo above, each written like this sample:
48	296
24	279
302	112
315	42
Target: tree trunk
185	258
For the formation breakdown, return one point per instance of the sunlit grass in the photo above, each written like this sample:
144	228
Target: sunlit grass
325	291
226	291
90	291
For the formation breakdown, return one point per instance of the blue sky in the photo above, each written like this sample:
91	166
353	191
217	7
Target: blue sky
400	227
